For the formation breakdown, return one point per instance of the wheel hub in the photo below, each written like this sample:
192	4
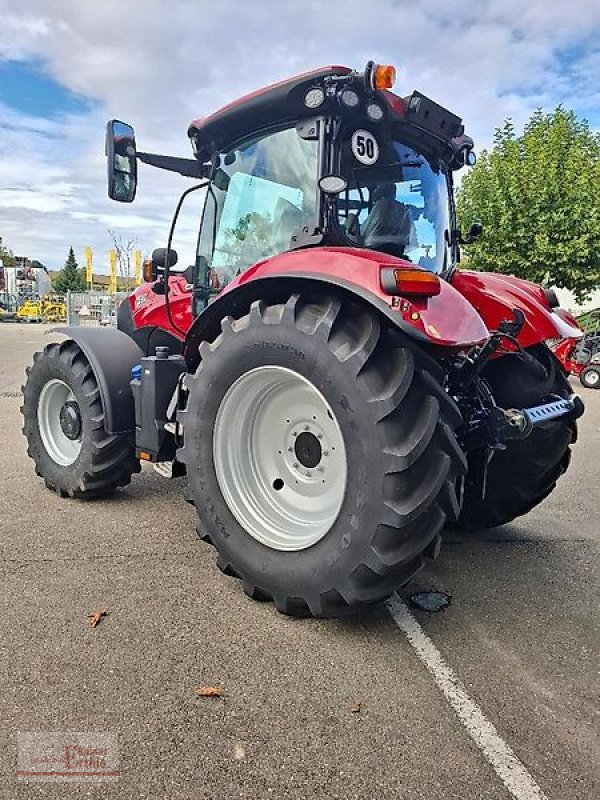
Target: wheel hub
70	420
59	422
308	450
280	458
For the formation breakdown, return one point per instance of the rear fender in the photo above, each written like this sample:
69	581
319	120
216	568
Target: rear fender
111	354
444	321
495	296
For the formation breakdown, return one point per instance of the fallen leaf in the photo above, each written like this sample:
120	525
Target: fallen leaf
238	752
95	617
209	691
355	708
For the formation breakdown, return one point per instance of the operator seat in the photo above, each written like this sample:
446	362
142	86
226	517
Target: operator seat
389	226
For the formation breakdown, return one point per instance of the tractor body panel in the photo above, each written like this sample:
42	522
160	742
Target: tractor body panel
494	296
446	320
143	315
565	351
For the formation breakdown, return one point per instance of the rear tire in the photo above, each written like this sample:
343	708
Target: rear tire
590	377
521	476
319	552
86	461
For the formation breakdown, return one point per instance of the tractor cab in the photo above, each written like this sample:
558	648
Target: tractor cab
331	157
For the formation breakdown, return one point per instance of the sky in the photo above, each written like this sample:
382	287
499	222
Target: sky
65	68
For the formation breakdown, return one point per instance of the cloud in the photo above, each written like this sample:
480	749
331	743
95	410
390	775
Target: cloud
161	64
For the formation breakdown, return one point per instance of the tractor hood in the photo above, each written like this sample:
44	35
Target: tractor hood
495	296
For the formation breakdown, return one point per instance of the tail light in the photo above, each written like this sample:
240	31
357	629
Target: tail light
409	281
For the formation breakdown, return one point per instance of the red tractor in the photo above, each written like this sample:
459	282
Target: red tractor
333	387
581	356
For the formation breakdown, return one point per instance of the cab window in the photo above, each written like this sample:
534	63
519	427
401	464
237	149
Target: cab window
262	195
397	205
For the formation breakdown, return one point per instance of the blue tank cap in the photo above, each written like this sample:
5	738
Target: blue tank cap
136	372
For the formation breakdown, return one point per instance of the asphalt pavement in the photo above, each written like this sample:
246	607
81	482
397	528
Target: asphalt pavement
309	708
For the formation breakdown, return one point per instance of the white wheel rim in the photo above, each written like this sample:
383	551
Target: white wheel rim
60	448
592	377
285	491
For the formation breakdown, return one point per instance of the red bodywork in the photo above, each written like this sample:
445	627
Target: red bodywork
445	319
148	308
494	296
564	351
461	315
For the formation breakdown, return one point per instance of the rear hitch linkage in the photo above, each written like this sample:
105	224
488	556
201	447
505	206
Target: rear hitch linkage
488	425
494	426
508	330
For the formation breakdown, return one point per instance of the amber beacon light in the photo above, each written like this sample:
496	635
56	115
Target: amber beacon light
383	76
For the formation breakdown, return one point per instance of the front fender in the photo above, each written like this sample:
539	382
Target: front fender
111	354
446	320
495	295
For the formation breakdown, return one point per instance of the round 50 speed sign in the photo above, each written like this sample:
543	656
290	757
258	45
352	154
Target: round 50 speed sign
364	147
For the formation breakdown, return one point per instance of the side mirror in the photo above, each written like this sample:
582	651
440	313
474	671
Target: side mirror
474	232
121	161
464	155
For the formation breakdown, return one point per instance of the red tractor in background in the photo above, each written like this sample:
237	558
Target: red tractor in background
581	357
333	387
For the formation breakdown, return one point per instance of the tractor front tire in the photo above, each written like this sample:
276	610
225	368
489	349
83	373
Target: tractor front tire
321	456
64	425
525	473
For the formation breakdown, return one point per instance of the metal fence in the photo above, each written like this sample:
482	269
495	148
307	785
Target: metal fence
93	309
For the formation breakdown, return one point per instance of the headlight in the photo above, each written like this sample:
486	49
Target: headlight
349	98
375	112
314	98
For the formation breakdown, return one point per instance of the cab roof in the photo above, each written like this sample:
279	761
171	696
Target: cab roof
283	102
259	109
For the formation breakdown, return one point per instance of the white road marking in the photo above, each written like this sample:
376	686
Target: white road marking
499	755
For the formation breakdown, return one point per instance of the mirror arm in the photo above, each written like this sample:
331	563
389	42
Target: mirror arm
188	167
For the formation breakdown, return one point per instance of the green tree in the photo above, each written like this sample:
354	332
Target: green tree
6	256
538	197
70	278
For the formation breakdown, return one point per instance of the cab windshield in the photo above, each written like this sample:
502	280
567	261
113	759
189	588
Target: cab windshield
399	204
